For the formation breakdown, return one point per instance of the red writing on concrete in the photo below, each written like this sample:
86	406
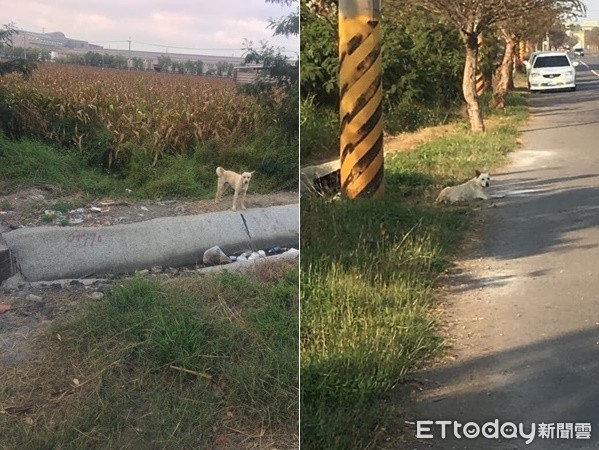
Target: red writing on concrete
84	239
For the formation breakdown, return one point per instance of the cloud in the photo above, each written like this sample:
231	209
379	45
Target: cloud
220	24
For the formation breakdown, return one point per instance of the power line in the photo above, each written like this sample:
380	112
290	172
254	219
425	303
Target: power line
186	48
164	45
179	48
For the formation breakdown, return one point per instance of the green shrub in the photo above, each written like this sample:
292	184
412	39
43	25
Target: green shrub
320	131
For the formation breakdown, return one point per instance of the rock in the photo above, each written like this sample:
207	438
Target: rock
292	251
156	269
96	209
254	255
105	288
50	213
75	221
34	298
242	258
77	211
215	256
233	258
262	253
142	272
97	296
274	251
14	282
144	208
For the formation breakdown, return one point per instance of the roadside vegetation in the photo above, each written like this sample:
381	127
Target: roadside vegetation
156	133
371	270
426	47
180	363
186	362
369	275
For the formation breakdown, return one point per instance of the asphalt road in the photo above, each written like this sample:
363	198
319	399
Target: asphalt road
523	308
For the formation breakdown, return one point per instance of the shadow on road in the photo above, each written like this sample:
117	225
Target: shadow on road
560	210
522	362
517	375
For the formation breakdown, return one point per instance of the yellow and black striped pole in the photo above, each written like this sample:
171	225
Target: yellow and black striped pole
480	76
480	81
361	96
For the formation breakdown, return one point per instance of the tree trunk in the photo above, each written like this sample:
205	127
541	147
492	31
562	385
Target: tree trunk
469	84
503	74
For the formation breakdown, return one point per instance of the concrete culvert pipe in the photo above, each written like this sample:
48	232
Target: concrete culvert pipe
51	253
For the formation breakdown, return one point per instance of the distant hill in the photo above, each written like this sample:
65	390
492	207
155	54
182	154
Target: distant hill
54	41
61	45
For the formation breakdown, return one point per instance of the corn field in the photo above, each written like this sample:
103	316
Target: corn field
68	106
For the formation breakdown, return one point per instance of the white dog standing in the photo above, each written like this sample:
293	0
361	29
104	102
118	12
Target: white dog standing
470	190
239	182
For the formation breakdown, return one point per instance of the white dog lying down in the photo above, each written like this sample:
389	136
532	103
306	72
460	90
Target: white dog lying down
470	190
239	182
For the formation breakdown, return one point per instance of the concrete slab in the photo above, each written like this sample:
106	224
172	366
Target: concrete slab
7	263
50	253
309	174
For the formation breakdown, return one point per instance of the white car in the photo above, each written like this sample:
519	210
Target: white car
531	59
550	71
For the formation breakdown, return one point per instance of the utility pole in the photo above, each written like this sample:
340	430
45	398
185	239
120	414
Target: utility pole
360	99
129	59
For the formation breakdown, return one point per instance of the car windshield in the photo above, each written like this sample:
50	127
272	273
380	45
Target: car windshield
551	61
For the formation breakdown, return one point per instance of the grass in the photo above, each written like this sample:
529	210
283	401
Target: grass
46	218
62	206
30	163
319	131
111	138
369	271
186	363
273	156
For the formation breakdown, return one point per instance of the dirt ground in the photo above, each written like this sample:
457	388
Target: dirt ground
26	311
47	206
29	308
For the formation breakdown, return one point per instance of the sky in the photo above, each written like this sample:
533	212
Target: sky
209	27
592	10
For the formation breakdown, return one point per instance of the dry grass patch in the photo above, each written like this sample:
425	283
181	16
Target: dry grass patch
208	362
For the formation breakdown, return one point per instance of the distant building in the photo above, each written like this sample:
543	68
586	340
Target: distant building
579	33
247	74
51	41
59	45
